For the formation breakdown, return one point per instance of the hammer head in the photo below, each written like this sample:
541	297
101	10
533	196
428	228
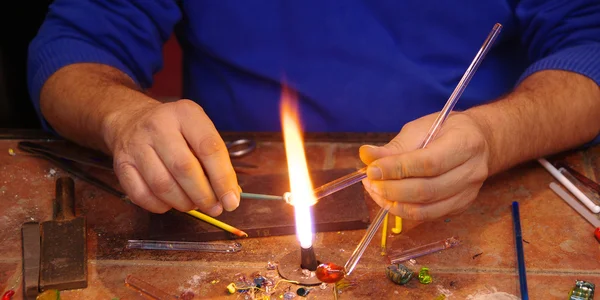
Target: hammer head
63	263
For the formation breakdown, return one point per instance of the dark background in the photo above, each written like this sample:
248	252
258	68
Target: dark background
21	21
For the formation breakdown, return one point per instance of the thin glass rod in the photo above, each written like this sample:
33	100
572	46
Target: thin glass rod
433	131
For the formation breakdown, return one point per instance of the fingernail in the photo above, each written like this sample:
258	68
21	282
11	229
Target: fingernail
374	173
230	201
215	210
366	183
366	147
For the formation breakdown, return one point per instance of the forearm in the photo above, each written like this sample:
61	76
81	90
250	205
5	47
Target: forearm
81	101
549	112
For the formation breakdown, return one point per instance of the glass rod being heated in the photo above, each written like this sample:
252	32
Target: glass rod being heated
433	131
357	176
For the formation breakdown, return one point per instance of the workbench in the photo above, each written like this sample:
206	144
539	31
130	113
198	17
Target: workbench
559	244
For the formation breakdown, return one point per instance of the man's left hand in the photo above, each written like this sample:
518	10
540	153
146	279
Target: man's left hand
429	183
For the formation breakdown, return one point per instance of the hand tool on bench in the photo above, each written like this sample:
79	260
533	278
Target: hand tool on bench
30	241
64	152
72	168
63	263
68	161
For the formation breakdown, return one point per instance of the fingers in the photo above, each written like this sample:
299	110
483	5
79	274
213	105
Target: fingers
408	139
427	162
187	171
423	189
160	181
429	211
210	149
137	189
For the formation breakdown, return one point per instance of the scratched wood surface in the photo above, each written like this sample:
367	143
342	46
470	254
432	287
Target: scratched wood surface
559	246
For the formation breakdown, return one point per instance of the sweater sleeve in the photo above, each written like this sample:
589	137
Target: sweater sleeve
125	34
562	35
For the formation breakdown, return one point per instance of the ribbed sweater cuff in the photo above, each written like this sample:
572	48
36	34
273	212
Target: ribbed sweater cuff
583	59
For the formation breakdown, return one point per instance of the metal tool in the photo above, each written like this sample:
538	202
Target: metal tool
69	166
63	263
30	243
72	168
240	147
69	153
433	131
227	247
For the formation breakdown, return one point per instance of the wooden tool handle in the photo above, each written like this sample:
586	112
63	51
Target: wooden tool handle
64	203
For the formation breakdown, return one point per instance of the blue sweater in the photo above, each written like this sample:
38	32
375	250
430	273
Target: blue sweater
358	66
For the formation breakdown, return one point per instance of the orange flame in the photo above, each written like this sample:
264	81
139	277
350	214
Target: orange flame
300	183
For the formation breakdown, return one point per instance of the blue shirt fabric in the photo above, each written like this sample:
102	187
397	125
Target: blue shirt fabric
358	66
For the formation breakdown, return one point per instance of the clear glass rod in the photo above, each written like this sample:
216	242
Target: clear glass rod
433	131
184	246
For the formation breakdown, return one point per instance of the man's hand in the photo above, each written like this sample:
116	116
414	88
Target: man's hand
424	184
169	155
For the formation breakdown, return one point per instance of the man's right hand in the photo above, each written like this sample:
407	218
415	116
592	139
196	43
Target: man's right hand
169	155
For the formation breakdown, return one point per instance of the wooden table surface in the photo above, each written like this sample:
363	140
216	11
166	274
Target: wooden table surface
559	244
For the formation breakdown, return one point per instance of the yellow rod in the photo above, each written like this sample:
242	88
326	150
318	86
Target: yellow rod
217	223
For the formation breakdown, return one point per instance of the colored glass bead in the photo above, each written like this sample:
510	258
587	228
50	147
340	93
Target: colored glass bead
303	292
424	276
330	273
583	290
399	274
597	234
259	281
8	295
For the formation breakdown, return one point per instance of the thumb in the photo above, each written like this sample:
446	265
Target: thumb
370	153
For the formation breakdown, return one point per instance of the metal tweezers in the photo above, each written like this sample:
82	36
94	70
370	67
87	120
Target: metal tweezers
67	163
65	156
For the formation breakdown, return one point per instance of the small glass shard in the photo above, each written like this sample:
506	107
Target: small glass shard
147	288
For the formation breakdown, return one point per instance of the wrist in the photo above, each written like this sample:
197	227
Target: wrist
115	121
494	161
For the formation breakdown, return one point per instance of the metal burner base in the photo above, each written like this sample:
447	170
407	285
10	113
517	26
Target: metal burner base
289	268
